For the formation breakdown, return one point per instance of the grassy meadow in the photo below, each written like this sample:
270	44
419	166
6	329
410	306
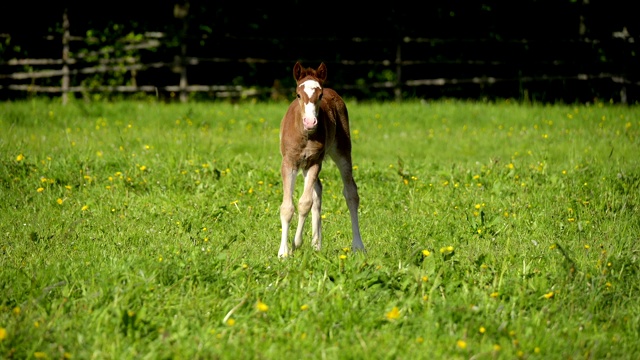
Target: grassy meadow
145	230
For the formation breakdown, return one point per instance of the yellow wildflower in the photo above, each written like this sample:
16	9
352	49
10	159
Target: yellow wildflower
3	334
304	307
40	189
20	157
59	201
231	322
394	314
461	344
262	306
426	252
85	208
548	295
39	355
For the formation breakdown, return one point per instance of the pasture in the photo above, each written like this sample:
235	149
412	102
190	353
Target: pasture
150	230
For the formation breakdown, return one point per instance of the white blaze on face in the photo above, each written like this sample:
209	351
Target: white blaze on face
310	109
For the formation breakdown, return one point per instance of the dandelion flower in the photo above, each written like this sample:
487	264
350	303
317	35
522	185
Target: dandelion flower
262	306
85	208
39	355
394	314
40	189
548	295
343	256
497	347
446	249
20	157
461	344
426	253
231	322
3	334
304	307
482	330
59	201
494	294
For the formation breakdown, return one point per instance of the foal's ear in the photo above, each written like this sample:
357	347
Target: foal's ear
297	71
321	73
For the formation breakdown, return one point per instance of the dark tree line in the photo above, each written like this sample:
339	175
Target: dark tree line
592	36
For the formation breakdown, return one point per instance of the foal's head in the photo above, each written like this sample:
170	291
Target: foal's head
309	93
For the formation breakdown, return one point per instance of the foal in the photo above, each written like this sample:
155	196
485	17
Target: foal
316	124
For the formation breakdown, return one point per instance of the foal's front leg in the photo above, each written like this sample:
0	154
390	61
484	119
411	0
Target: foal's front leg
286	209
316	220
306	202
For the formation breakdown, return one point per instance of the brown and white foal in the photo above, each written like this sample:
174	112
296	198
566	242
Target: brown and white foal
316	124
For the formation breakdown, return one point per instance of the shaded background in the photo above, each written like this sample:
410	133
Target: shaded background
549	50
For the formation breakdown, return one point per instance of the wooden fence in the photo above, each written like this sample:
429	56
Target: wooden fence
408	64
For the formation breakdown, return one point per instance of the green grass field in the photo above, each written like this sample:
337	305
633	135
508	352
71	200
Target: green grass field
150	231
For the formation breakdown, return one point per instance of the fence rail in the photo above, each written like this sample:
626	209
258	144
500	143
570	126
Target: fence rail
87	63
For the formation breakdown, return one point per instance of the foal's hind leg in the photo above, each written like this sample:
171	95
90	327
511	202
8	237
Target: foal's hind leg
350	192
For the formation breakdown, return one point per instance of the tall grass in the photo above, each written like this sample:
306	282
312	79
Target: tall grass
150	230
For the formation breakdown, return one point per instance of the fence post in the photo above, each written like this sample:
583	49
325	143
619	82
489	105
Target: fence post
65	57
398	88
180	11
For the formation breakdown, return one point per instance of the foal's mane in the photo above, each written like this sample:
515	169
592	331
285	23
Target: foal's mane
309	73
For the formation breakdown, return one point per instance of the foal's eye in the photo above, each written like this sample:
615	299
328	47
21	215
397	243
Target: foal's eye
298	96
